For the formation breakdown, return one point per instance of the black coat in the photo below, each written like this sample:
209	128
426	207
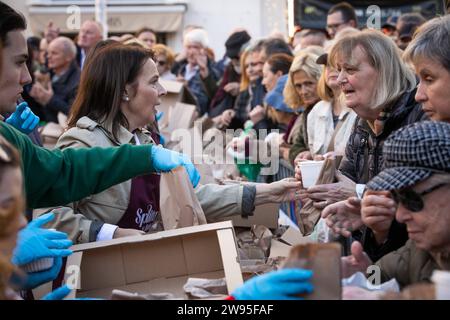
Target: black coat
65	90
363	160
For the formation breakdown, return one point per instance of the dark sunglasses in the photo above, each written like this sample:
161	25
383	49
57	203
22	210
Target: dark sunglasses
412	200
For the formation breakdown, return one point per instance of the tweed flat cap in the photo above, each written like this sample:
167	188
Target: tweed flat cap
412	154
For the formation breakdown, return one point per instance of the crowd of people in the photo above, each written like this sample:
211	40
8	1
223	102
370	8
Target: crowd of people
378	99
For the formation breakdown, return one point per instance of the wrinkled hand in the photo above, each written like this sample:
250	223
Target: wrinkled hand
359	261
232	88
202	62
34	242
23	119
377	212
257	114
125	232
280	191
326	194
344	217
284	284
303	156
166	160
40	94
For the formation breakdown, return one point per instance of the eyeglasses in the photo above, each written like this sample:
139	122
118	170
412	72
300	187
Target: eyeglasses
412	200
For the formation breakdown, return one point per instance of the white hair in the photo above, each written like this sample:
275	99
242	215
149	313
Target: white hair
198	36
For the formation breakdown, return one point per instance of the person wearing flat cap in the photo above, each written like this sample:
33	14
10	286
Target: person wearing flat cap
221	107
417	174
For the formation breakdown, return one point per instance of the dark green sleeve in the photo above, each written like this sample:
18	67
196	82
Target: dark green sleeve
55	177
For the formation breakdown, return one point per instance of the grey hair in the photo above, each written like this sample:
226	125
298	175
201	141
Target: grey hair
68	46
431	41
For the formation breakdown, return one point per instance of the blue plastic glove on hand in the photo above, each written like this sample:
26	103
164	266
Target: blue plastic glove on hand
166	160
35	279
57	294
61	293
34	242
284	284
159	115
23	119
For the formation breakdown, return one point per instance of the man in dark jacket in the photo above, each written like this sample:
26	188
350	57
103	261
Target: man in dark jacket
417	174
199	72
228	90
64	84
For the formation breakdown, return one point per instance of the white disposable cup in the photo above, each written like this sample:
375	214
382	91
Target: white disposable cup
310	171
441	280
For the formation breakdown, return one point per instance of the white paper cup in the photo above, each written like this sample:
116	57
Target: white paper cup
310	171
441	280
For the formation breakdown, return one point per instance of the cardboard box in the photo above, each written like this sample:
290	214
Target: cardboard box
156	263
265	214
176	93
324	259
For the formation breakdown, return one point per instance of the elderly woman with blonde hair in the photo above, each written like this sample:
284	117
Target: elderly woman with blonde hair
300	94
380	87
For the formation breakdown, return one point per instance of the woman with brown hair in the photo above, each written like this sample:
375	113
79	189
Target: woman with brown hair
120	115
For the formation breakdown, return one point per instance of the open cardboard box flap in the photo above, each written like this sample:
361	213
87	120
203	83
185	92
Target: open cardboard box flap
155	263
264	214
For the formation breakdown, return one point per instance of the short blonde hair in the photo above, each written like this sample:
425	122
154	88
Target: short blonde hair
395	76
305	61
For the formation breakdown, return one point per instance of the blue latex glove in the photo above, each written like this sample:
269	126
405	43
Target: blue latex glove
23	119
57	294
34	242
166	160
159	115
161	139
283	284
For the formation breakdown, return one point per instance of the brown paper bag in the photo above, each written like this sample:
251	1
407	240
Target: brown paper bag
324	259
178	203
308	216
